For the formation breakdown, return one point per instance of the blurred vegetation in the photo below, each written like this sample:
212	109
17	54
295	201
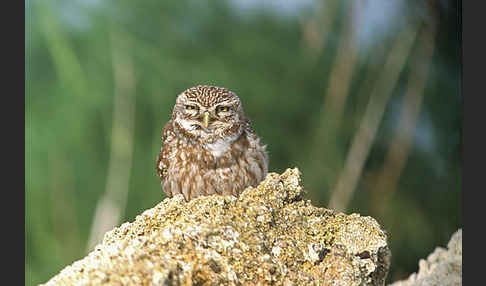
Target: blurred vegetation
371	110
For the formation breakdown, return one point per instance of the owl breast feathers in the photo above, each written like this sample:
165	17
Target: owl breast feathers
209	146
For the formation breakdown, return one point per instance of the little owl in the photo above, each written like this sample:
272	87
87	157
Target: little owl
209	146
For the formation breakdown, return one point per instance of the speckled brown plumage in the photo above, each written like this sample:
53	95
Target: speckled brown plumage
209	146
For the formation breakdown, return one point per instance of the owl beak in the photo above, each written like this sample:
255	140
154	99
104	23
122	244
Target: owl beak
206	119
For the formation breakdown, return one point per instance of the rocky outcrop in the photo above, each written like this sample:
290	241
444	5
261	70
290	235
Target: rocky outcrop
442	267
269	235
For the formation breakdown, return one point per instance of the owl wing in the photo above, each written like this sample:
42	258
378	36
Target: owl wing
258	146
162	159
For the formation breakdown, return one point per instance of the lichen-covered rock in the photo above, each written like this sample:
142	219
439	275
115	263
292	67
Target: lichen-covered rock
269	235
442	267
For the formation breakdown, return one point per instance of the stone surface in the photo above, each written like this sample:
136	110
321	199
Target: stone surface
442	267
269	235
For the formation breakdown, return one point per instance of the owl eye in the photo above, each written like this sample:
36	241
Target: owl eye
190	107
222	109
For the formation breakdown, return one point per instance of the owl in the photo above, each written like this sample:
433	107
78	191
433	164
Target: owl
209	146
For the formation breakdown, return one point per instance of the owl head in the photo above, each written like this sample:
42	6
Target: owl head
206	114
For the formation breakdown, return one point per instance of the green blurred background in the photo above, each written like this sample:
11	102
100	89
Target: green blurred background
362	96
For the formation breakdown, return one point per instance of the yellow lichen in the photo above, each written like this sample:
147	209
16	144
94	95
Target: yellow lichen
269	235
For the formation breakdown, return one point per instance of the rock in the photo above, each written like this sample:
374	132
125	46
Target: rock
442	267
269	235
